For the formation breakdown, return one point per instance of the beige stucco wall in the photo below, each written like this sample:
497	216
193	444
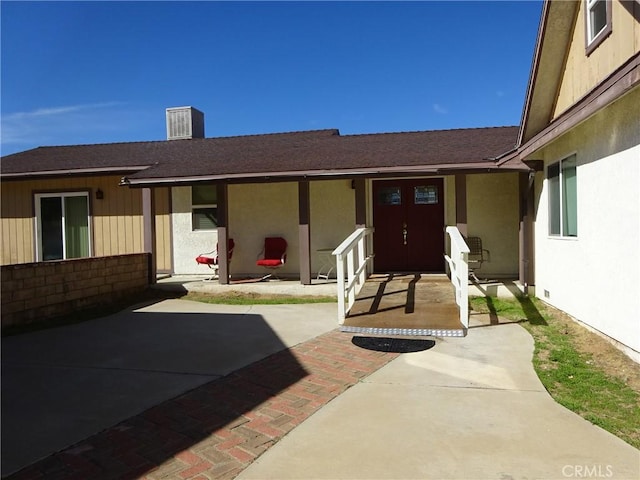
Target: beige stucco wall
493	215
582	73
594	277
263	210
116	219
450	205
333	215
260	210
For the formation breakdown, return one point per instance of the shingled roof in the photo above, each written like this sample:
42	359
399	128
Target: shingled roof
294	154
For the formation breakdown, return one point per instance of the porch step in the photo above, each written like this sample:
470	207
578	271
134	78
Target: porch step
408	332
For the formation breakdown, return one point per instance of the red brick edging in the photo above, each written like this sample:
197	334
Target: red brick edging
218	429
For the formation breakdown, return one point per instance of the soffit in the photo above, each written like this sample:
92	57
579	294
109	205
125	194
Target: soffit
554	36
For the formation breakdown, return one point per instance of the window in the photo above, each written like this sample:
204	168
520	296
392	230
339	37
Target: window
62	226
390	196
563	198
425	195
598	22
204	207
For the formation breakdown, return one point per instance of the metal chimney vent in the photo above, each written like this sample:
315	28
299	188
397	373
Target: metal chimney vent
184	122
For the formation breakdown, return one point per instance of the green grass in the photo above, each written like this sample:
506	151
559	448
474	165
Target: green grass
236	298
568	373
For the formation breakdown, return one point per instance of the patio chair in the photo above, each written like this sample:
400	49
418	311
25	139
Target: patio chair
273	255
210	259
476	256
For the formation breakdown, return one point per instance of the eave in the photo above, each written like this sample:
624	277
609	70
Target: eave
71	172
618	84
554	35
288	176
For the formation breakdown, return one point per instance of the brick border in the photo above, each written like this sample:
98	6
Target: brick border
216	430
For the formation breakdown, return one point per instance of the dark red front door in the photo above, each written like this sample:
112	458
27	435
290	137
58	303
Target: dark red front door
408	216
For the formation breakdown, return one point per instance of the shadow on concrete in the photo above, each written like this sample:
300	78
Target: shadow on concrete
137	300
393	345
126	375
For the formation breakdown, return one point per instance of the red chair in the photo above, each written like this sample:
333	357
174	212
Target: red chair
274	254
210	259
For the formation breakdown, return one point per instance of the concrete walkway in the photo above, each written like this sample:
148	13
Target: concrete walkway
469	408
277	392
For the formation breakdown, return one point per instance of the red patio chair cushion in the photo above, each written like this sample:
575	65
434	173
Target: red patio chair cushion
267	262
207	260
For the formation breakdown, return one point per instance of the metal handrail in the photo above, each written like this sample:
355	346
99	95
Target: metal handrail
354	252
459	268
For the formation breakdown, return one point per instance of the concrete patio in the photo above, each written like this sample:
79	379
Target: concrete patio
178	389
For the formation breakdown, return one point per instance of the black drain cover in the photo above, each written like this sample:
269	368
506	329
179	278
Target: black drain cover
393	345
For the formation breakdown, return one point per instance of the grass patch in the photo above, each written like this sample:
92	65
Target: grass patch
242	298
579	369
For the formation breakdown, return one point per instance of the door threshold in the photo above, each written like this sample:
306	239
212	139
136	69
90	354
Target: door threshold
406	332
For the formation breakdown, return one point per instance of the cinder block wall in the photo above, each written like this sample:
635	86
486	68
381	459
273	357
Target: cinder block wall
37	291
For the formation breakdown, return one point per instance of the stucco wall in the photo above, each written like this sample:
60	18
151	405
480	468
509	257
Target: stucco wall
333	215
595	277
187	244
260	210
493	215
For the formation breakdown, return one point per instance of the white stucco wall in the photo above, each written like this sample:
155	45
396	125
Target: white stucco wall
596	276
187	244
257	211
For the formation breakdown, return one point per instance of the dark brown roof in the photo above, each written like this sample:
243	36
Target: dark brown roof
284	154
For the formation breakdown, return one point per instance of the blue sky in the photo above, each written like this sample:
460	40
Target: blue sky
99	72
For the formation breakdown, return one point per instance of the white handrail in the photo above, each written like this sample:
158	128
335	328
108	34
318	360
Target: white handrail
459	267
353	250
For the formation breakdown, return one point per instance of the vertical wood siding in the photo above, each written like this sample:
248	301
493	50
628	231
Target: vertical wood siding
163	230
582	73
116	220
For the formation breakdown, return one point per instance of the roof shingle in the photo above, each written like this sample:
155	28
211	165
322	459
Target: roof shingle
262	155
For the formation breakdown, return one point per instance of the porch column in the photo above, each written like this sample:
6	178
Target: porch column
223	233
461	204
304	231
149	230
525	238
361	202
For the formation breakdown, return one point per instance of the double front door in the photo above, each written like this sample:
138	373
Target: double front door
408	216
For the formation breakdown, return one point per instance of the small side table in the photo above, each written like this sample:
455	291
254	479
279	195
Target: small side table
327	263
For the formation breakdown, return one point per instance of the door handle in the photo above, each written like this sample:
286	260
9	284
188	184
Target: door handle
404	233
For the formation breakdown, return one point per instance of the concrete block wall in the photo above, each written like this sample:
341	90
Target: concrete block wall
33	292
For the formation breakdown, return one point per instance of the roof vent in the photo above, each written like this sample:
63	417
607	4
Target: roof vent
184	122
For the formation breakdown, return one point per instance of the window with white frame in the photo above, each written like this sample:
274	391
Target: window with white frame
563	198
62	226
598	22
204	207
